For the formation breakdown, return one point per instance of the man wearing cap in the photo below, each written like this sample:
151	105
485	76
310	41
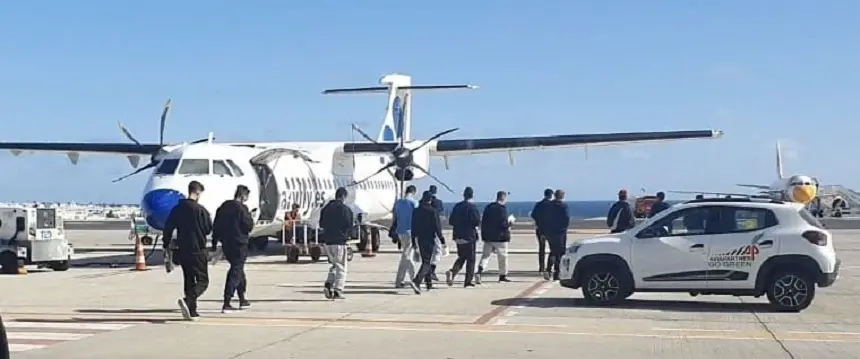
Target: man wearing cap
620	217
496	233
464	220
403	209
539	215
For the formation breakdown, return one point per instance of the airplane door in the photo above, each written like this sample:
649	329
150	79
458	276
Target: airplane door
270	199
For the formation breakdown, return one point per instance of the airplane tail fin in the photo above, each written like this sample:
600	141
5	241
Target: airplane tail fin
779	171
397	122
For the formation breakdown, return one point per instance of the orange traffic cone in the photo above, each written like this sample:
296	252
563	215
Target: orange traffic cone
368	248
139	257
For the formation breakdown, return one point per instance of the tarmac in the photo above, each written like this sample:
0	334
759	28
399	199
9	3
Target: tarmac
97	311
521	223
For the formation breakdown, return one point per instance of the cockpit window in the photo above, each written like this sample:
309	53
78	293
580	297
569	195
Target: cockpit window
236	170
220	168
194	167
167	167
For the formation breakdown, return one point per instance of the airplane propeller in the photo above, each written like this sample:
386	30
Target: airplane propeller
402	159
153	160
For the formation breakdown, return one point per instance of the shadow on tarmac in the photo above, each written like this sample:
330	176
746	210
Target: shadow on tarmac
642	304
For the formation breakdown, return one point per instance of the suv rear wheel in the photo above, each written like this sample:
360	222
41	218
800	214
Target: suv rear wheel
790	290
605	286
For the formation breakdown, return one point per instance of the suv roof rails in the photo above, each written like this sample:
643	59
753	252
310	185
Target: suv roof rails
739	199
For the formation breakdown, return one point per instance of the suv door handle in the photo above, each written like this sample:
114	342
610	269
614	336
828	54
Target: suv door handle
696	246
765	243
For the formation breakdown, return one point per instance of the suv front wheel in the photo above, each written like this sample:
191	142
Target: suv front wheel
605	286
790	291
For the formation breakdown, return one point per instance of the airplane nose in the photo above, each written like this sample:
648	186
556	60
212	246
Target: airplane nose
803	193
157	205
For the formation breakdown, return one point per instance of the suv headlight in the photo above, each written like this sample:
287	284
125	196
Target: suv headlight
572	249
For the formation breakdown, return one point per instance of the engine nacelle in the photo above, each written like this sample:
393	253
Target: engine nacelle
420	158
404	174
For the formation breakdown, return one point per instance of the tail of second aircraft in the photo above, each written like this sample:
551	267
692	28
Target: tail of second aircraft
779	171
397	122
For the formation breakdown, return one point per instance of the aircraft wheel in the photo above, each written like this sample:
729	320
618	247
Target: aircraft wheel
315	253
375	239
293	253
349	254
61	266
146	240
9	262
260	243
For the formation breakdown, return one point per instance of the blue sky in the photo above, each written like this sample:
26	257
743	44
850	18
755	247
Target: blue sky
760	71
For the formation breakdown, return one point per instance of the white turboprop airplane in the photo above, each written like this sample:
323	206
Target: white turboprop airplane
795	188
307	173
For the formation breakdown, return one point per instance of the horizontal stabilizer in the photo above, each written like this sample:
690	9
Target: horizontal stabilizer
385	89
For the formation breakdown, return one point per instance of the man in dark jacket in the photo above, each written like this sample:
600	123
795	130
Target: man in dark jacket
4	341
557	222
620	217
192	224
539	215
440	247
233	223
496	233
464	220
426	233
336	223
659	205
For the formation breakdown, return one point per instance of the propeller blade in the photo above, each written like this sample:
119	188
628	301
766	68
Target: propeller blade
431	139
362	133
127	133
389	165
139	170
200	141
416	166
163	121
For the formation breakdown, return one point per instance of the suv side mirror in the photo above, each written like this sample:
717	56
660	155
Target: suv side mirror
20	224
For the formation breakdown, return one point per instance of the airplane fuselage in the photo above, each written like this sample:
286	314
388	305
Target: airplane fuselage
277	181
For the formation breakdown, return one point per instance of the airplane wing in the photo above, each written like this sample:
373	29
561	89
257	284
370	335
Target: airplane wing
74	149
756	186
81	147
718	193
446	148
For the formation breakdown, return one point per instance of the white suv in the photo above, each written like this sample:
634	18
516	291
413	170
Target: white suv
740	247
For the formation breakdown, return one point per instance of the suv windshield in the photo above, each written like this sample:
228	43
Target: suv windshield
810	219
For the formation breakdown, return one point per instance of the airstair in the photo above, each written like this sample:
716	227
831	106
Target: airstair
827	192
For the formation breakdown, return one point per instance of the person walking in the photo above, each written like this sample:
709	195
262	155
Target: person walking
496	234
233	223
336	222
426	234
192	224
402	225
464	220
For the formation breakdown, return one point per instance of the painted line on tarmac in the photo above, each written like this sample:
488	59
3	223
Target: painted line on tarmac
500	310
539	330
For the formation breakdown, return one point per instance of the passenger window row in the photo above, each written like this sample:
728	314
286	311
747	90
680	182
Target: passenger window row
298	183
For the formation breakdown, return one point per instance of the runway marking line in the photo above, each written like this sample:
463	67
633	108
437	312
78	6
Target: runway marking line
500	310
541	330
